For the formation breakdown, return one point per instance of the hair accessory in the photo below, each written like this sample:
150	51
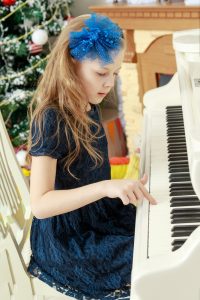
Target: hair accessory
97	40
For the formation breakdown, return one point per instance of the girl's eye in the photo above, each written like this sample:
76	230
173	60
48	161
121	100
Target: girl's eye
101	74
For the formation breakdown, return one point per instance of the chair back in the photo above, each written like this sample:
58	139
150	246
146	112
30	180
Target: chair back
14	191
14	281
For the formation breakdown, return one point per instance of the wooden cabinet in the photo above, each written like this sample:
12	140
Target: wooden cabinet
159	57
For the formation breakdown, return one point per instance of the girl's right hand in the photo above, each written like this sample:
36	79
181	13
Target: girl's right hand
128	190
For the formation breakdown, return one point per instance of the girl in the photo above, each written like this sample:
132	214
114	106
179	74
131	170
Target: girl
83	226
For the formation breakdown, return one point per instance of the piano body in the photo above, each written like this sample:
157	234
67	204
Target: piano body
166	257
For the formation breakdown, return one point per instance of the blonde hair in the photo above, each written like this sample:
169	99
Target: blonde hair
60	88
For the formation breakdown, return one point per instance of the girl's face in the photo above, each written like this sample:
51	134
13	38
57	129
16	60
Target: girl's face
97	80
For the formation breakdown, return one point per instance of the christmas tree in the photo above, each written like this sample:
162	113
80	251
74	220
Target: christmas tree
27	30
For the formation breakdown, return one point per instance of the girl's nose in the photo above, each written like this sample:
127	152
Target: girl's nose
110	81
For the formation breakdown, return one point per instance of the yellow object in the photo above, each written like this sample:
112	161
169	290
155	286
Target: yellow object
127	171
26	172
118	171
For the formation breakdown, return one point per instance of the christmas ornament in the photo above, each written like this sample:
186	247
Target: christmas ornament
21	157
22	60
26	172
8	2
40	37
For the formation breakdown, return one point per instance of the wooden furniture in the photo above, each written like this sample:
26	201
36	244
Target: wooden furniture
169	17
157	60
174	16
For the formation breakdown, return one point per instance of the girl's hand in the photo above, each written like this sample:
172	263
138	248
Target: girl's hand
128	190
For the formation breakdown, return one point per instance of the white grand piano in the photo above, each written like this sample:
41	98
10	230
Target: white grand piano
166	257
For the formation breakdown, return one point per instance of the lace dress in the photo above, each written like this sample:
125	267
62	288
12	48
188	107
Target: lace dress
86	253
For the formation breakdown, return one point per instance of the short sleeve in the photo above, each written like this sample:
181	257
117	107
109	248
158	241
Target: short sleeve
49	143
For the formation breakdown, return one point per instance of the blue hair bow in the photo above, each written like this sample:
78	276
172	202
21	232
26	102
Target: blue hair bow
97	40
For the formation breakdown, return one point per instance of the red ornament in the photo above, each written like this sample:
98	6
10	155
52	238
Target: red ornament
34	49
68	18
8	2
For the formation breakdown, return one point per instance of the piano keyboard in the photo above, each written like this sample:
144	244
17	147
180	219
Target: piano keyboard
178	208
184	202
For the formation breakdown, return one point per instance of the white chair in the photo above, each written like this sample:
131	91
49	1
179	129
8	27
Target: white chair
15	282
15	222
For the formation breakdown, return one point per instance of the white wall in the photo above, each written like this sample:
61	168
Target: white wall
80	7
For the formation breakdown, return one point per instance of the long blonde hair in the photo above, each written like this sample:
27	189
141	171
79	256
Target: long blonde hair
60	88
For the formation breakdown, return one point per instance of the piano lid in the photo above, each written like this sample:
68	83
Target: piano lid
187	50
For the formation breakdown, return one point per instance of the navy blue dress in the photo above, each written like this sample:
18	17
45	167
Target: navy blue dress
86	253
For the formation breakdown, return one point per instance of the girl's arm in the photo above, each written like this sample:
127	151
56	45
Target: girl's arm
47	202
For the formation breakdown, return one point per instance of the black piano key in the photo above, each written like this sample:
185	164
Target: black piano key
174	175
179	231
180	204
168	108
179	180
175	134
178	169
193	219
175	117
178	241
184	201
180	185
175	248
175	139
182	233
178	154
179	131
187	186
181	188
182	193
181	175
176	128
191	209
185	198
178	116
171	124
176	146
184	214
179	158
172	140
184	227
184	210
173	164
177	150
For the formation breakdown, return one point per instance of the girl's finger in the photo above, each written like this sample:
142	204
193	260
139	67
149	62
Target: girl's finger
125	199
132	198
138	193
147	195
144	179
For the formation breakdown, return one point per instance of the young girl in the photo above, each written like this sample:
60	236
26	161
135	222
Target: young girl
83	226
